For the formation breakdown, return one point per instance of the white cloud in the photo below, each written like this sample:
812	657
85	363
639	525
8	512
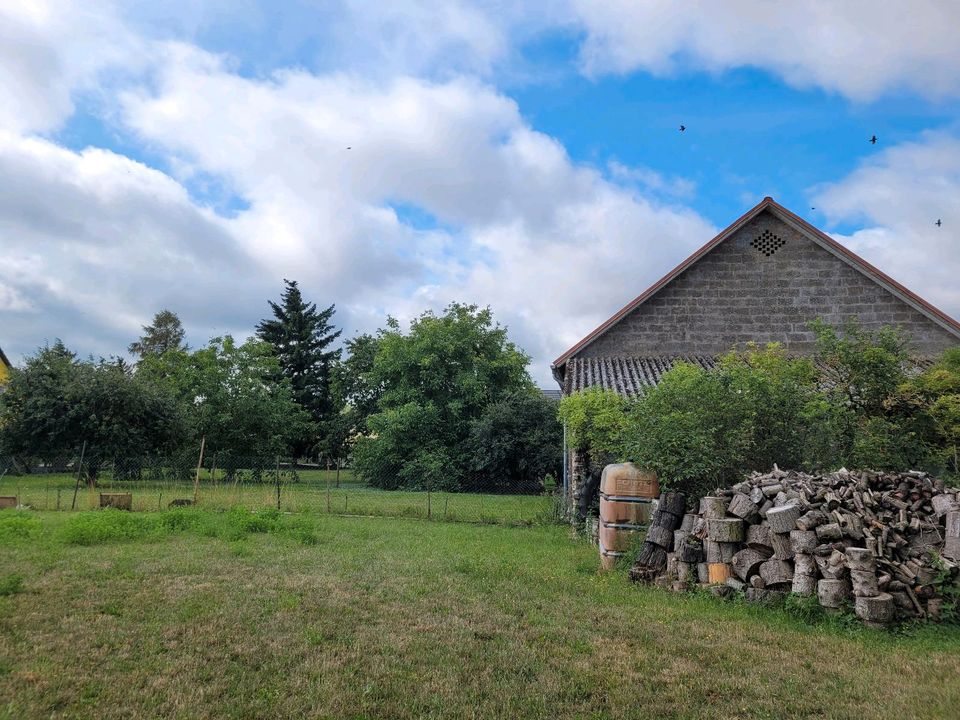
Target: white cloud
899	195
859	48
52	49
552	246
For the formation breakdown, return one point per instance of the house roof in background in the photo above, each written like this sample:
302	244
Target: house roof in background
4	360
801	225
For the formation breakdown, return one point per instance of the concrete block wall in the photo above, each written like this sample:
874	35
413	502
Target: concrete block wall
736	294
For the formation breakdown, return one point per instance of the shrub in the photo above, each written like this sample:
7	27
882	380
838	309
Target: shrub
11	584
515	444
18	526
596	420
107	525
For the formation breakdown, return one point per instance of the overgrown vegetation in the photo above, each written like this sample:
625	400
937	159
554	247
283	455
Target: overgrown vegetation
857	403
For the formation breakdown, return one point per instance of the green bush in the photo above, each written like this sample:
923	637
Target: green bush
95	528
11	584
18	526
515	444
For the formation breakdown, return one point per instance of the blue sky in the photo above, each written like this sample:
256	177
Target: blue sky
193	154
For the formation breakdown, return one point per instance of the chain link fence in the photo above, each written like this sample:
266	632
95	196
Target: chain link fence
220	481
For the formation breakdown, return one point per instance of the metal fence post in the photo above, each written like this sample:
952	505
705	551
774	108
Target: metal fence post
278	482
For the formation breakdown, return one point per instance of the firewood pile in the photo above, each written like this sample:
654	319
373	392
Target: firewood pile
881	541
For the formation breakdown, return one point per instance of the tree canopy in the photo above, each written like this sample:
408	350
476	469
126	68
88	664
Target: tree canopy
436	380
163	334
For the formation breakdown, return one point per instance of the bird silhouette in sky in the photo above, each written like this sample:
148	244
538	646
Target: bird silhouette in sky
938	223
683	128
349	148
873	139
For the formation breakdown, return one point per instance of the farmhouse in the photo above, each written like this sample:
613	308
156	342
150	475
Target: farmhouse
763	279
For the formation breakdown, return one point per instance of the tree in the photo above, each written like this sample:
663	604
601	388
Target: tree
433	382
233	397
354	385
299	335
165	333
57	403
515	444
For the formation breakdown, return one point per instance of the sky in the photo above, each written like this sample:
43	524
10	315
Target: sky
394	157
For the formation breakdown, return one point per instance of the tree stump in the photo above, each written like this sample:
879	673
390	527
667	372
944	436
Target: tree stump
833	593
747	562
721	530
783	519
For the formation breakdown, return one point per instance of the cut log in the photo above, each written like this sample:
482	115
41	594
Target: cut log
942	504
747	562
667	520
673	502
703	573
690	551
830	531
758	538
686	572
719	572
833	593
803	541
810	520
713	507
877	609
775	572
861	559
728	531
660	536
783	519
805	565
744	508
711	549
757	582
737	585
803	585
782	549
864	583
689	520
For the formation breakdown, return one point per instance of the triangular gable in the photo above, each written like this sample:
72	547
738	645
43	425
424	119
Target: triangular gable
806	229
3	359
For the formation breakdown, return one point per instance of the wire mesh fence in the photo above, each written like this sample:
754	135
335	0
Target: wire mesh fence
88	481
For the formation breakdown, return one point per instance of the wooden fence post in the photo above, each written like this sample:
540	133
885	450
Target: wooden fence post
76	489
196	478
278	482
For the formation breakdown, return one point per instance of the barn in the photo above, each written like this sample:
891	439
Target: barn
762	279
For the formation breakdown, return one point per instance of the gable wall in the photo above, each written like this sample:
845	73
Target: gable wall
735	294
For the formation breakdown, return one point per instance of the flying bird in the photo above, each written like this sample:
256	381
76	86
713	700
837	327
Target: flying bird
349	148
683	128
873	139
938	223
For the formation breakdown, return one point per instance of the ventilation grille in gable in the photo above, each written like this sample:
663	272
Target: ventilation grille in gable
767	243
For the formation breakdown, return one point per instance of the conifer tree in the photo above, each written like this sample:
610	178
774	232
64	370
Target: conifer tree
300	335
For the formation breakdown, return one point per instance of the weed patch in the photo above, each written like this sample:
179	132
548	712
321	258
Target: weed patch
11	584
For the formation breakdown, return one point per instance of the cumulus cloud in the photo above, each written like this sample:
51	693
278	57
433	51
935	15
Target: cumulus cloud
553	246
859	48
898	196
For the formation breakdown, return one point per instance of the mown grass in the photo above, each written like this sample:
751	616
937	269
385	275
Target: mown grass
197	614
316	491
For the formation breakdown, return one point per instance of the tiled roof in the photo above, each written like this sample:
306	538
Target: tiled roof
552	393
630	375
626	375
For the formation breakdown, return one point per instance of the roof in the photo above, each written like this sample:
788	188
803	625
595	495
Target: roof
630	376
551	393
4	360
801	225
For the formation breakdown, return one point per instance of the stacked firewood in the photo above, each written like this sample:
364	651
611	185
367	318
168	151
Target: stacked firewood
884	542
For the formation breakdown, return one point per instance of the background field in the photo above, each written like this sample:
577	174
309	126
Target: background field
314	491
195	614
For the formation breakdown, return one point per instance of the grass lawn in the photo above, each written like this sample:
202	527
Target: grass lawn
196	614
316	492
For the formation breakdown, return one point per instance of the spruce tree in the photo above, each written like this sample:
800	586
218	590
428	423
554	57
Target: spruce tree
300	335
165	333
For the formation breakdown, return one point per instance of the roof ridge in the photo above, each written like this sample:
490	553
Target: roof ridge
815	234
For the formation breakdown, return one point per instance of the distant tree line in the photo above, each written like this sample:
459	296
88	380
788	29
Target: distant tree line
447	404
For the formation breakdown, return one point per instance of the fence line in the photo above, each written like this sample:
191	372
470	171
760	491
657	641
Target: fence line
222	482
